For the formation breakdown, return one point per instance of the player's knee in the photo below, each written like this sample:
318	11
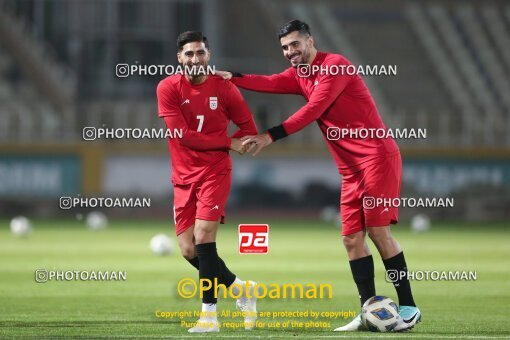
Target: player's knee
204	234
205	231
379	233
188	252
352	241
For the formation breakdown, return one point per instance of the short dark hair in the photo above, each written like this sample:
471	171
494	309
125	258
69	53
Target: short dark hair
191	36
292	26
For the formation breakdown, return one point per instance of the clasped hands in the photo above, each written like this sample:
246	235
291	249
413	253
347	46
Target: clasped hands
253	144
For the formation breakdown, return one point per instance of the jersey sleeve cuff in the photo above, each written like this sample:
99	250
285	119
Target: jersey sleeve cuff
236	74
229	143
277	132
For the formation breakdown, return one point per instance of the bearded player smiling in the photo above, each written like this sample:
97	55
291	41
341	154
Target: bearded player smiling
369	167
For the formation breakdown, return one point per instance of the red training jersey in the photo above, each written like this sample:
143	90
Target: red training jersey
202	112
334	100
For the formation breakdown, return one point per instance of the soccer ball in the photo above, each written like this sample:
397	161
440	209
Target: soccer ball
21	226
379	314
161	244
96	220
420	223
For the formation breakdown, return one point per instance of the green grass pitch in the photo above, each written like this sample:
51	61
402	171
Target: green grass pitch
299	252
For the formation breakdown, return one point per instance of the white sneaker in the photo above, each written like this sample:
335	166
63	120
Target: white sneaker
205	325
248	306
354	325
409	316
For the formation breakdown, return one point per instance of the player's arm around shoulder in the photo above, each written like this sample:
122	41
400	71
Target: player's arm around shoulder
283	83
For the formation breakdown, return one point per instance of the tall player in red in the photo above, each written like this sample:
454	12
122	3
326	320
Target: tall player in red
369	167
201	106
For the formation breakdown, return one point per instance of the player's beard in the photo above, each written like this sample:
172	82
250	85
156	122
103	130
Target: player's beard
305	58
198	75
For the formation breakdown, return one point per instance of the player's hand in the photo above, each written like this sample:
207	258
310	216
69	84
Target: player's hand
224	74
237	145
256	143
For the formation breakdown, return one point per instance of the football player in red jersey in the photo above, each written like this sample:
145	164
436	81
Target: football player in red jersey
201	105
370	167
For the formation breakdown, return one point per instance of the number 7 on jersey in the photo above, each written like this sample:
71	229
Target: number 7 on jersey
200	122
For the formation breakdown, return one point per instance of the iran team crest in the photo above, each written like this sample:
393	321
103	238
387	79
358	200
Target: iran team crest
213	103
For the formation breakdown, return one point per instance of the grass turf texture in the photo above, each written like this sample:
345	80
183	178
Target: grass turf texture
299	252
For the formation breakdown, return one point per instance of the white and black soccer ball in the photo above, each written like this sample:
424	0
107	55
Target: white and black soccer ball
21	226
161	244
379	314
